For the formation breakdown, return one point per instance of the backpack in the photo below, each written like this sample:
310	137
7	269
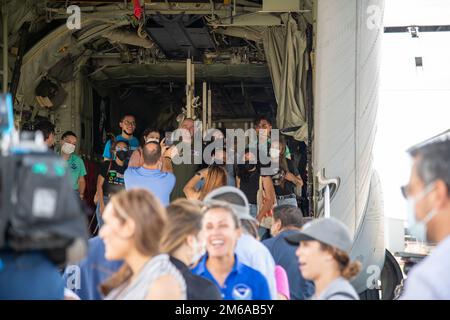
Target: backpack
39	210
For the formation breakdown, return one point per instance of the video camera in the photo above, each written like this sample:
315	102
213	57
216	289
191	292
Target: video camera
39	210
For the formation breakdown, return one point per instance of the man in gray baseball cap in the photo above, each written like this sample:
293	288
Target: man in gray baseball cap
324	258
249	250
234	197
328	231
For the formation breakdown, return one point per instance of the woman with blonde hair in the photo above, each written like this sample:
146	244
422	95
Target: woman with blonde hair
215	176
185	244
134	223
323	256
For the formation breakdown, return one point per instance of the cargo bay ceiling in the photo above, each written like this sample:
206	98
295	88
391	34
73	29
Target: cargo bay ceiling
116	49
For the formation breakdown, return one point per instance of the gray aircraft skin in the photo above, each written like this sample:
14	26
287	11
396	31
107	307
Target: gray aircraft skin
142	69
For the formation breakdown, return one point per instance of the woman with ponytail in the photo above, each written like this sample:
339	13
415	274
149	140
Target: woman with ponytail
134	223
323	256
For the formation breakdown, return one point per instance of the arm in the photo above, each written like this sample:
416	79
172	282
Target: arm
107	151
165	288
238	182
297	180
189	190
100	181
167	165
135	159
269	197
81	186
82	180
167	154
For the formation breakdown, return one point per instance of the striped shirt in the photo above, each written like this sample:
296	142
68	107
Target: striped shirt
155	268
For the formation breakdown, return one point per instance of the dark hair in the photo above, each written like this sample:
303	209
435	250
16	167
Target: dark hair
433	162
241	172
261	118
127	115
289	216
114	145
150	218
223	149
67	134
151	155
348	269
146	132
46	127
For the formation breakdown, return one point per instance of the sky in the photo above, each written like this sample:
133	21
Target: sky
416	12
414	102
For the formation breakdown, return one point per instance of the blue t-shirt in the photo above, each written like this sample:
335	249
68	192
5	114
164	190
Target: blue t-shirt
284	255
133	142
29	276
243	282
84	279
157	182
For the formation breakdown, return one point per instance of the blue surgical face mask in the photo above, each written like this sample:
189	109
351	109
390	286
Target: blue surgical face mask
418	228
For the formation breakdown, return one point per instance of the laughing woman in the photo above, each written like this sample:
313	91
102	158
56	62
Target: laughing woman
235	280
134	223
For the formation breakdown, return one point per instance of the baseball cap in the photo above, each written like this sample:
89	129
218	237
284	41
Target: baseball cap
326	230
232	196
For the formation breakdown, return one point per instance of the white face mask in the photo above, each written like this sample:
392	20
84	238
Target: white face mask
147	140
67	148
418	229
199	251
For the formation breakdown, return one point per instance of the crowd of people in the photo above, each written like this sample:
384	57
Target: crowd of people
217	230
178	231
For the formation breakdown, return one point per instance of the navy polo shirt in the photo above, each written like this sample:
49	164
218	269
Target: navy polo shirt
243	282
284	255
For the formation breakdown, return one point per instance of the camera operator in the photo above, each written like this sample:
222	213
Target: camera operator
48	130
29	276
42	226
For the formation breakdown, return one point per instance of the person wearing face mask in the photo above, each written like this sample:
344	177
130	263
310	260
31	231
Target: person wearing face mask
428	195
236	281
127	125
155	174
184	242
137	157
283	179
250	179
74	162
111	177
263	127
